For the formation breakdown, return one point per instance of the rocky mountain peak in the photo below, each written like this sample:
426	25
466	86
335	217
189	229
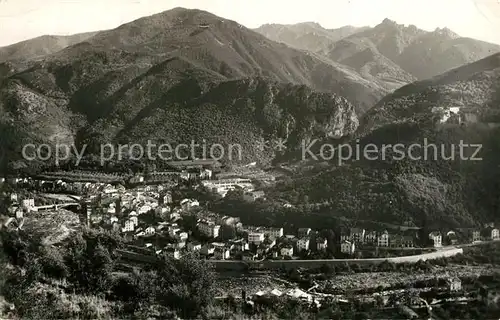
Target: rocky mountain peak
446	32
388	22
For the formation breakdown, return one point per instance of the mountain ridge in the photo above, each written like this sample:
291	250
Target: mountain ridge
296	35
444	188
403	51
41	46
114	86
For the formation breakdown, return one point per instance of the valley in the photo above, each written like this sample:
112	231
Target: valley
97	225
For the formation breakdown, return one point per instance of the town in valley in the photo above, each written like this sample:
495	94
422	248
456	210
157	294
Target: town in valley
171	214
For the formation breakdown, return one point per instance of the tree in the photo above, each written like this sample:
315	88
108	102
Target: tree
186	284
52	261
17	245
379	301
305	199
136	290
89	261
393	300
326	269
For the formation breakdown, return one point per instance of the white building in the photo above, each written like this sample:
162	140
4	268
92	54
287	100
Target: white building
144	209
209	229
436	238
287	251
136	179
162	210
447	113
13	197
206	174
256	237
129	226
383	239
221	254
371	237
476	236
254	195
348	247
134	219
187	204
226	183
132	214
28	204
182	236
273	232
150	231
222	186
180	245
109	189
173	230
321	244
303	244
454	284
495	234
240	245
357	235
167	198
194	246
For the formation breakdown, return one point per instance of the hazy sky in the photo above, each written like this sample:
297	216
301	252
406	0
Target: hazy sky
24	19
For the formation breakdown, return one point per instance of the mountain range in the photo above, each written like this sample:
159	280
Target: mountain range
223	47
393	54
187	75
309	36
167	71
40	46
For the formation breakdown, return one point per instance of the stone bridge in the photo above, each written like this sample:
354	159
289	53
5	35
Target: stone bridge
55	206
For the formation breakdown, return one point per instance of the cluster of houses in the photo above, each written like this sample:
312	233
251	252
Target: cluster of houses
130	214
354	237
360	237
246	242
148	210
252	243
60	186
223	186
220	186
122	212
18	207
172	175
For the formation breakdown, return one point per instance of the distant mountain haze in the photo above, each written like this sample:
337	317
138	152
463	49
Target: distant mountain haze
478	19
391	52
41	46
307	35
